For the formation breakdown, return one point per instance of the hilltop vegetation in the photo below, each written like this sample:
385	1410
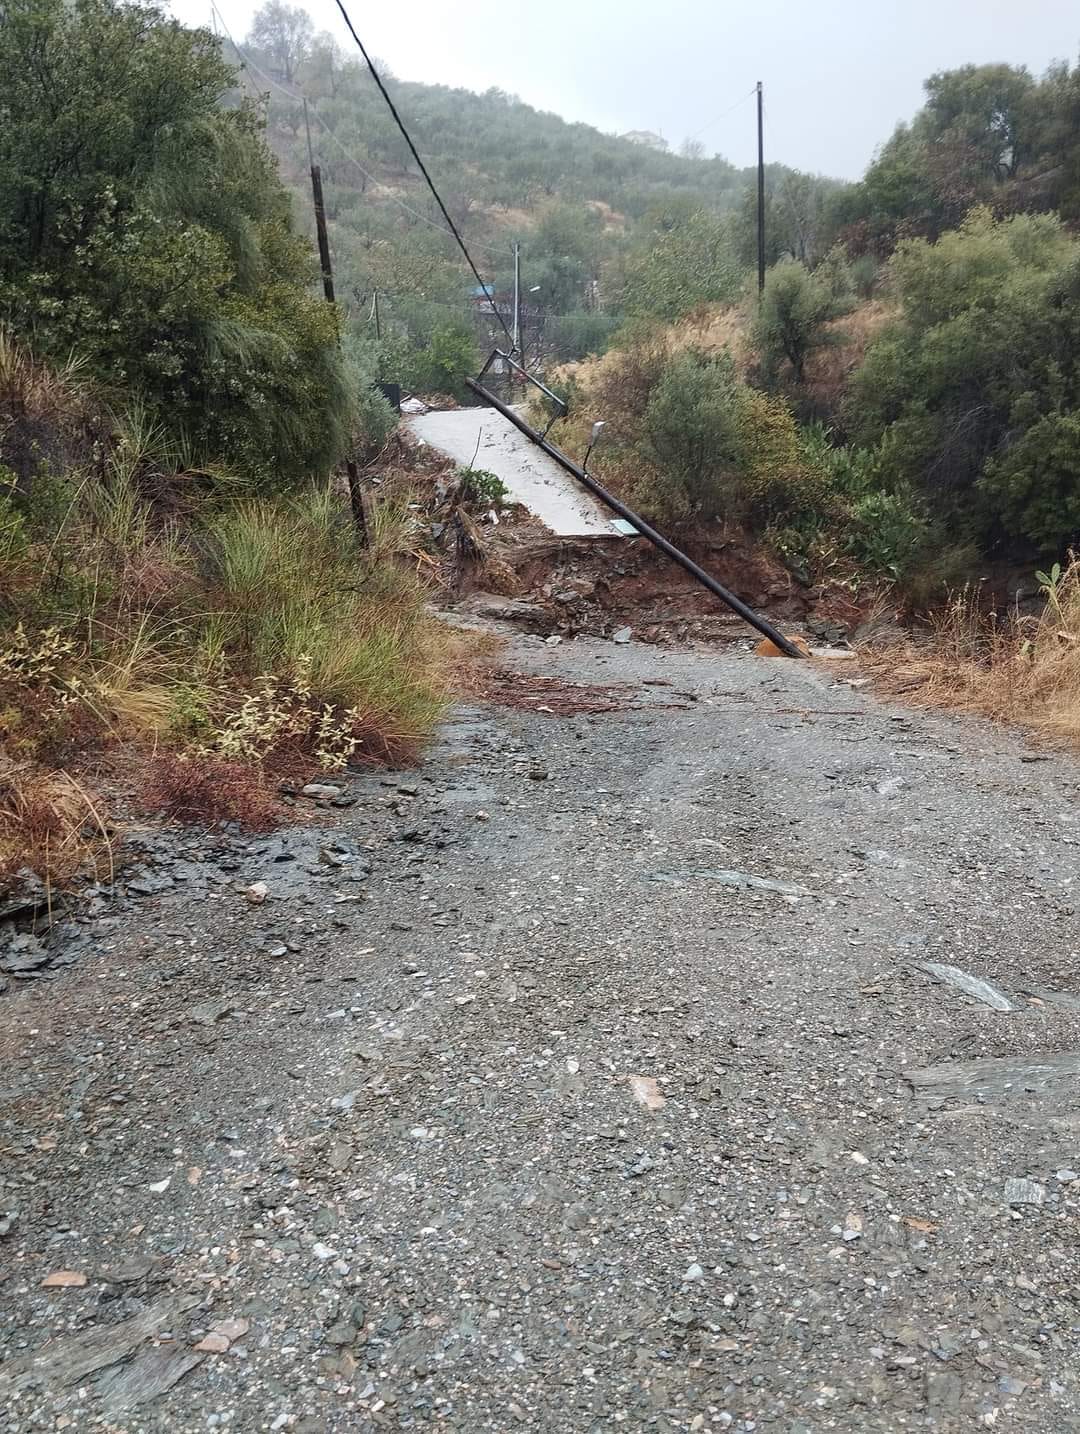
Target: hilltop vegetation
960	415
608	225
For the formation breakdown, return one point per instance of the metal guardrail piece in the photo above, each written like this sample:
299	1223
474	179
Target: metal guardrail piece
658	540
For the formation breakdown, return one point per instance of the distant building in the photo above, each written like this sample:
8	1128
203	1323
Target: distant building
647	138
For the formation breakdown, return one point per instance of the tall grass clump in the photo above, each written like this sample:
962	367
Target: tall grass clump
219	637
1013	668
297	602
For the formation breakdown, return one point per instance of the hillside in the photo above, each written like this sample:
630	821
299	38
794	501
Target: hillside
585	206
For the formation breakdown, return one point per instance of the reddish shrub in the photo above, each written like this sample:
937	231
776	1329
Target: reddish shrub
209	790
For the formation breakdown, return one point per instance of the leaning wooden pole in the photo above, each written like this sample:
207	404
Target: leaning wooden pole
356	493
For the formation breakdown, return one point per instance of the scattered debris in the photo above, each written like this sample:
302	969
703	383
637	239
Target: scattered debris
970	985
767	648
853	1226
889	787
321	791
70	1359
996	1075
1053	998
64	1280
740	879
646	1091
920	1226
551	695
213	1343
153	1371
1020	1191
129	1271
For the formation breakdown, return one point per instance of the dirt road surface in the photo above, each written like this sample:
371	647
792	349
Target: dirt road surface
589	1078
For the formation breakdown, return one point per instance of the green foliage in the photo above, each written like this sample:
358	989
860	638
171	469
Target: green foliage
690	262
483	488
443	365
793	311
284	33
974	395
691	431
143	226
798	217
1035	484
1051	583
988	134
574	335
294	600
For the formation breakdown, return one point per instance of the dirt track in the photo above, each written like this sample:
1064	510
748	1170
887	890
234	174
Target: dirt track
590	1078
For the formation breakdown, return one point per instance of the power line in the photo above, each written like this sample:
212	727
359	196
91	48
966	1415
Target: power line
484	289
717	118
294	92
787	195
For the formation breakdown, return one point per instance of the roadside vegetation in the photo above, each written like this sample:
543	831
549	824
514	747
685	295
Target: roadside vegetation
1009	666
182	597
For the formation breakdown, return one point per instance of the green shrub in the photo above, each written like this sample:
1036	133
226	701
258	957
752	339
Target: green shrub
973	396
690	262
143	226
691	431
484	488
793	311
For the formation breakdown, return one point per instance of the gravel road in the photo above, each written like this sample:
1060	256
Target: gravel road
588	1078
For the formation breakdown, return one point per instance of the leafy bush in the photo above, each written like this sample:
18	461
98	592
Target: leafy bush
443	365
691	431
690	262
794	309
480	486
973	396
574	335
144	227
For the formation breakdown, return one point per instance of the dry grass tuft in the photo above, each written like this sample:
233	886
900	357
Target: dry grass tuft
50	823
1022	670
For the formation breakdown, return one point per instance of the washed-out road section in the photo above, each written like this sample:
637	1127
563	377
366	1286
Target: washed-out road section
484	438
591	1077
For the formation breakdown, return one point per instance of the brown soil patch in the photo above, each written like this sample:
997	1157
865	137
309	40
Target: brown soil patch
550	695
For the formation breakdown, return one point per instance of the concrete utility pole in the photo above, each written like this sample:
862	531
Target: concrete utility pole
517	299
760	189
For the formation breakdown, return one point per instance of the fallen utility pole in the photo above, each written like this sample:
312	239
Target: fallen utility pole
356	497
657	539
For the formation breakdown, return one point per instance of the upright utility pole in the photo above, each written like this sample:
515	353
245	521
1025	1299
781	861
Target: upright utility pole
320	216
517	297
760	190
356	497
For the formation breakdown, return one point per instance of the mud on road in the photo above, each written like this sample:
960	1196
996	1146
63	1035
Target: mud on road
590	1077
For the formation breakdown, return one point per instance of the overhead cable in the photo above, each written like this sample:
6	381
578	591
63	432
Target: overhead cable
485	289
293	92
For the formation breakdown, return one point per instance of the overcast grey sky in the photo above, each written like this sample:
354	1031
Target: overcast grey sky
837	75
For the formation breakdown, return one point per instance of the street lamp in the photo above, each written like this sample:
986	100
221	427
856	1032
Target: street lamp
597	430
